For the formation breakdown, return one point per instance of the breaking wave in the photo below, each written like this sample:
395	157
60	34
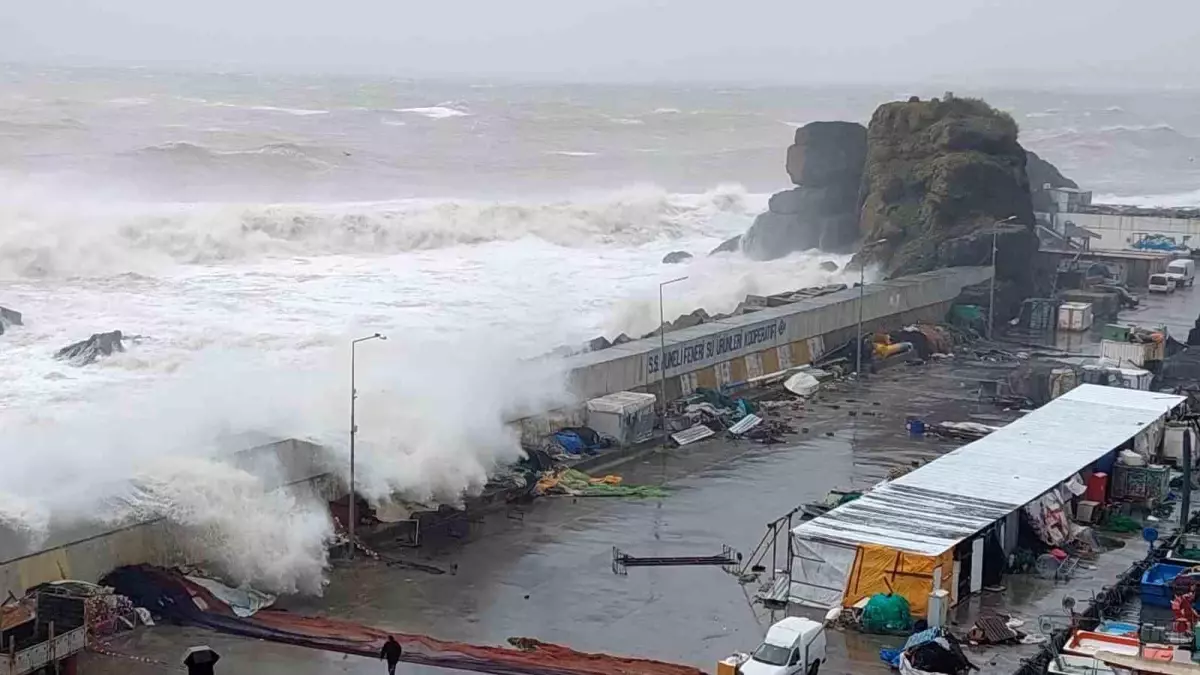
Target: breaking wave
41	237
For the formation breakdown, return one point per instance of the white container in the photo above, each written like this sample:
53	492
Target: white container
1125	354
1075	316
1172	449
625	416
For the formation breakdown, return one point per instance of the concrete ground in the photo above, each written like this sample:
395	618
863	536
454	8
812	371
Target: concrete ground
547	575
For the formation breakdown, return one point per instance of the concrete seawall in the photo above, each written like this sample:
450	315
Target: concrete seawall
87	552
709	355
742	347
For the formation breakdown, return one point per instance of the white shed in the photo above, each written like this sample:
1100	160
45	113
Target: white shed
625	416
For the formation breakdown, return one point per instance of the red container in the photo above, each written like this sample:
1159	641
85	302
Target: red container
1097	487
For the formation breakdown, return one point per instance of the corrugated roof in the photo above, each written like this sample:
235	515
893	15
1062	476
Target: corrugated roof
951	498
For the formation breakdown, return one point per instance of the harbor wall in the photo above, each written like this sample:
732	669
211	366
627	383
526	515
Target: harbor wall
743	347
88	552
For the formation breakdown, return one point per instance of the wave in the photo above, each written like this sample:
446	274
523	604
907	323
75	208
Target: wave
40	236
627	121
571	153
298	112
437	112
182	154
1180	200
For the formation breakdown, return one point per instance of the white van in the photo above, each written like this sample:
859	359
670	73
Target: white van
1183	271
1161	283
793	646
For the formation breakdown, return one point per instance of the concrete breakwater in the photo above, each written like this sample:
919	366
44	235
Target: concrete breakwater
738	348
709	355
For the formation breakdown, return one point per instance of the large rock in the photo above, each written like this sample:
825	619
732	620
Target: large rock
730	245
87	351
675	257
1042	173
826	164
9	317
939	176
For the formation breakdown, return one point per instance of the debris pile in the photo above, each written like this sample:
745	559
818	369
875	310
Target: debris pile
574	483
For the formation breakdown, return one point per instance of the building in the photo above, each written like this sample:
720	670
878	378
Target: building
951	523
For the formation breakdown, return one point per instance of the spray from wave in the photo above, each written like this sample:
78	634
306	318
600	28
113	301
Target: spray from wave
41	236
432	427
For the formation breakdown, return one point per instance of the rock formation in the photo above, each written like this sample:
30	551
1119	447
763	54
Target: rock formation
730	245
1042	173
826	163
87	351
676	257
9	317
938	178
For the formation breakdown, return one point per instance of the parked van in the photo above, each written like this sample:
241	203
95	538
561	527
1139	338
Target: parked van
793	646
1183	271
1161	283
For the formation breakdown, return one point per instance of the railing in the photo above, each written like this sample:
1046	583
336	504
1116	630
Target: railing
44	653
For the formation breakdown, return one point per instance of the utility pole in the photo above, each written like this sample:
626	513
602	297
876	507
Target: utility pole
353	430
662	356
992	285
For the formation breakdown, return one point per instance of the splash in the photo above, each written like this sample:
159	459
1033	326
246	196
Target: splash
432	419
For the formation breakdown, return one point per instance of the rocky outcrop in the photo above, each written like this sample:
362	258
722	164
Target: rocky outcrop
675	257
87	351
939	176
8	318
826	163
1042	173
730	245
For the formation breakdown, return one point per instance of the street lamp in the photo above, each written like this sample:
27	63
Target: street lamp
353	430
992	286
862	283
662	355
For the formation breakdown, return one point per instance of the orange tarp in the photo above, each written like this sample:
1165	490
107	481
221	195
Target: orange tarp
879	569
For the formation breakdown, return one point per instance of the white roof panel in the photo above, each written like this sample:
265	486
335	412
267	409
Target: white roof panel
951	498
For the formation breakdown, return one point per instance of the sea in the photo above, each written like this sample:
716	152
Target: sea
242	229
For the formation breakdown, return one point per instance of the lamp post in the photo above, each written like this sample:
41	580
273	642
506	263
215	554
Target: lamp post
862	283
353	430
992	286
662	355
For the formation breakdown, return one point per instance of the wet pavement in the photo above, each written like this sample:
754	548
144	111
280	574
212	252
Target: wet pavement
545	572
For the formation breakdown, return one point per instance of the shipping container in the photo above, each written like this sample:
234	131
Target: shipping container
1131	353
1075	316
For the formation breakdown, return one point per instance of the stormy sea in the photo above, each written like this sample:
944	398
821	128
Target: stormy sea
245	228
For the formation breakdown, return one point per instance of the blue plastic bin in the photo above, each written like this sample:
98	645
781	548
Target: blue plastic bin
1156	584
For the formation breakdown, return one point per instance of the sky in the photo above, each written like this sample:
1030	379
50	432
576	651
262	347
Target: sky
1102	42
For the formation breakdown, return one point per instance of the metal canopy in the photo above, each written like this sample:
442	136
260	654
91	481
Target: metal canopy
933	508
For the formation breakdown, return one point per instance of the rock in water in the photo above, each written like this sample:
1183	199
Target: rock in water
731	245
826	163
1042	173
9	317
87	351
829	266
939	175
676	257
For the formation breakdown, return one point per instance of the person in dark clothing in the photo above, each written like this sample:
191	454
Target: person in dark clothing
391	652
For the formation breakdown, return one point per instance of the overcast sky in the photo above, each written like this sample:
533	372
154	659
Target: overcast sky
755	41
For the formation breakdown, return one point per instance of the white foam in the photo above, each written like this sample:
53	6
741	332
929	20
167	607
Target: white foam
1169	201
299	112
666	111
46	235
436	112
571	153
626	121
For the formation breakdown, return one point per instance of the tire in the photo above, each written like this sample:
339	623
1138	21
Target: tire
814	668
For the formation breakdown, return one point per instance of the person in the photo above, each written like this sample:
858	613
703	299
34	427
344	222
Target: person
391	652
